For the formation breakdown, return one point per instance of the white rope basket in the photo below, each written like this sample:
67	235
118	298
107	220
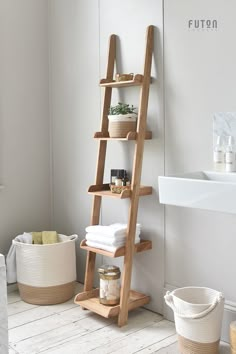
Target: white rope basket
46	274
198	313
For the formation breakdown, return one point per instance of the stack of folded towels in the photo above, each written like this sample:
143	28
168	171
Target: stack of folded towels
109	238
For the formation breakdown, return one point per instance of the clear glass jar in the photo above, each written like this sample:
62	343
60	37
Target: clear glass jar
109	293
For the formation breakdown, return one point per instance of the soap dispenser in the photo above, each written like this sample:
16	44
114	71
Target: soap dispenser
219	161
230	155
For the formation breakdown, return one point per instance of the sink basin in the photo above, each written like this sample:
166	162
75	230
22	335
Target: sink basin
203	190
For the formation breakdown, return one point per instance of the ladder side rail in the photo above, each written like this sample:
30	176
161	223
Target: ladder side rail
95	214
136	177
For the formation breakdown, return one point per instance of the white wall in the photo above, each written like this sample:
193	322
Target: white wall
24	119
75	106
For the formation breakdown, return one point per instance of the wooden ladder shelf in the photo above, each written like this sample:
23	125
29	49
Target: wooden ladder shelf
129	299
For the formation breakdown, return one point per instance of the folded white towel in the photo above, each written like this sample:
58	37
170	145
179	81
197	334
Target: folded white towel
120	229
112	230
112	241
119	243
109	241
118	225
102	246
11	257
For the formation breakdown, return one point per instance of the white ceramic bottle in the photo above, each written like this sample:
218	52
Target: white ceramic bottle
218	156
230	155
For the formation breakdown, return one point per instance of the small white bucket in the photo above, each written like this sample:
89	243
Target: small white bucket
198	315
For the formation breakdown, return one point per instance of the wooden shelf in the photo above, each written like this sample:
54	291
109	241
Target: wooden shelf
143	245
137	81
90	301
130	136
129	299
104	191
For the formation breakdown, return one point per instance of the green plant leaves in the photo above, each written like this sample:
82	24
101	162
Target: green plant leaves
121	108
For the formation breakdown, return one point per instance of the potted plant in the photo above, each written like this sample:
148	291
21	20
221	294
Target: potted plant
122	120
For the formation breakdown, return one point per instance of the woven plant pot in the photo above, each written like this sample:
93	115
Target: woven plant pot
46	274
120	125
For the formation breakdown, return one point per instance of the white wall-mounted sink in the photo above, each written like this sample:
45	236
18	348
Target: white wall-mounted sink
204	190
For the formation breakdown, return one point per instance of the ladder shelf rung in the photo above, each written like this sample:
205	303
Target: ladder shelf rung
90	301
104	191
129	136
143	245
137	81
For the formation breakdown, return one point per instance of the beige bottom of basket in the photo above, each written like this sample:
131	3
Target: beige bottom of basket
121	129
49	295
187	346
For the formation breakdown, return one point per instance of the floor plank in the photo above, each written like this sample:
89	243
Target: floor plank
48	339
138	340
66	328
155	347
11	350
19	307
36	313
105	336
13	296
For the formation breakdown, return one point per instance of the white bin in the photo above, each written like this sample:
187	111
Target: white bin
198	313
46	274
3	308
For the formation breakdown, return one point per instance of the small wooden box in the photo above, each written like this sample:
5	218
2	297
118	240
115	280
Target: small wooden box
118	189
124	77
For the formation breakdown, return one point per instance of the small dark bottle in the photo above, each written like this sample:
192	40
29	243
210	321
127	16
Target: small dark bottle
125	180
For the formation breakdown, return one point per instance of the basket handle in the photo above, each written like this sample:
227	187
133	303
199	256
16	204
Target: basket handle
169	301
73	237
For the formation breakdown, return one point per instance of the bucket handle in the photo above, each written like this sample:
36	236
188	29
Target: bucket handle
169	301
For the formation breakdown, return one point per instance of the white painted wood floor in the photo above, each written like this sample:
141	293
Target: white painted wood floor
67	329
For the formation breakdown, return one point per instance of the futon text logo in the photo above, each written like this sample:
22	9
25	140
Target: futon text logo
203	25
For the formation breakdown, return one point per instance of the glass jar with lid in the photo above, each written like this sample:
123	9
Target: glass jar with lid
109	293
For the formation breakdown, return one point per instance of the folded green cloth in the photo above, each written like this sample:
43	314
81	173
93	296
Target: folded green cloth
37	238
49	237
